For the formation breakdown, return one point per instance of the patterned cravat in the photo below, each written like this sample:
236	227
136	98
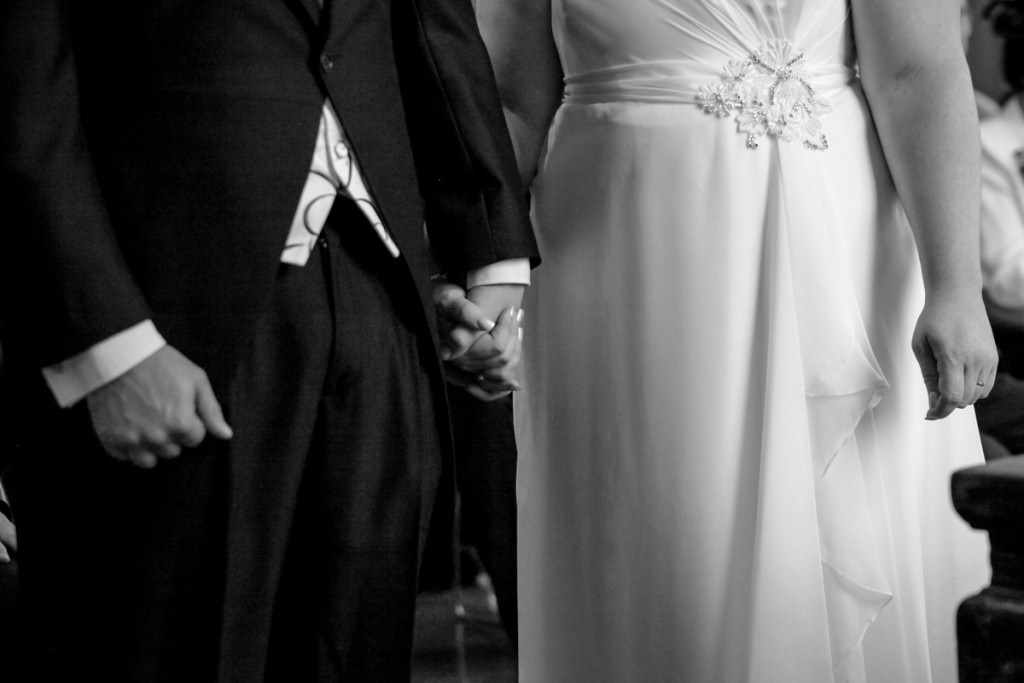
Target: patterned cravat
333	171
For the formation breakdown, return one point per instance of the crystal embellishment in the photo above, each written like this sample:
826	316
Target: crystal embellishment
769	96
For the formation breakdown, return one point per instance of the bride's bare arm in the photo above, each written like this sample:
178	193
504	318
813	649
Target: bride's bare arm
916	80
919	89
518	37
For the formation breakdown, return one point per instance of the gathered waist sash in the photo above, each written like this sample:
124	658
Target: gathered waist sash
772	93
679	82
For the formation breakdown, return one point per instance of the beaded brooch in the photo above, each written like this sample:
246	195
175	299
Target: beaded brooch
770	97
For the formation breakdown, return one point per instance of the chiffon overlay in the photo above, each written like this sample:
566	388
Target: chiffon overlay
725	473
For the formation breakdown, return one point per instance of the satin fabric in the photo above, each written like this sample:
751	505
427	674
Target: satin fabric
725	472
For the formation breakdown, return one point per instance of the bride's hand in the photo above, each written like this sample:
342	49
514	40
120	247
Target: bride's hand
954	346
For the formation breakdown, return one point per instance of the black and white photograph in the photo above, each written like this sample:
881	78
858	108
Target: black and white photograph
497	341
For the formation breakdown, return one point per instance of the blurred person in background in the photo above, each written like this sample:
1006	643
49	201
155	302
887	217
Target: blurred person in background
1002	232
985	56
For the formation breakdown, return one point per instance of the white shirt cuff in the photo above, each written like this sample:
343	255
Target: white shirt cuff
511	272
73	378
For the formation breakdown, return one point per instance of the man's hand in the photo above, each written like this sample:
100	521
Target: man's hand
163	404
481	337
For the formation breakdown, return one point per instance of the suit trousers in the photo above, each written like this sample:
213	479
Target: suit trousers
485	466
287	554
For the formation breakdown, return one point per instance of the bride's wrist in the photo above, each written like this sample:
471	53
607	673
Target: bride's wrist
958	279
960	289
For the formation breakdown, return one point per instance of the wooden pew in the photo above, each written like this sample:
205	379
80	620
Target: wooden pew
990	625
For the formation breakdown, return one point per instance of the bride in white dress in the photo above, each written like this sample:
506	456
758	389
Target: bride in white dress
726	472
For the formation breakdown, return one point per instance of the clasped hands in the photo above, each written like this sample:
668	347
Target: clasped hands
481	337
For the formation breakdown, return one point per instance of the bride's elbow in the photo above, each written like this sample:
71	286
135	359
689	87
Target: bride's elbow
925	79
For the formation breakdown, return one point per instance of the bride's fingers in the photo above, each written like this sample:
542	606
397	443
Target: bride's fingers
504	333
929	371
990	381
973	384
984	382
473	351
498	363
979	374
951	388
508	370
977	382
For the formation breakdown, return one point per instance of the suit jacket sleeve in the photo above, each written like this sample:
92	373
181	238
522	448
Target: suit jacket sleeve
476	208
74	287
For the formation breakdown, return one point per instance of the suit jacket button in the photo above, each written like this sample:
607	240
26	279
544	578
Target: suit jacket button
326	62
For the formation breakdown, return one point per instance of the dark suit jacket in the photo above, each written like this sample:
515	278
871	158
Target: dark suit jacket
154	151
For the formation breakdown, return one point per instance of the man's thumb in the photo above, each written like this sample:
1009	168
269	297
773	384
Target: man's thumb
209	411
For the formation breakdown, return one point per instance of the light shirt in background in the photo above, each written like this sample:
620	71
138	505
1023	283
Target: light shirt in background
1002	205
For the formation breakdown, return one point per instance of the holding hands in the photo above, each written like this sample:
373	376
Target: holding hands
481	337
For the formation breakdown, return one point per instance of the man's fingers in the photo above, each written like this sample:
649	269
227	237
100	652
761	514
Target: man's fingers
460	340
168	449
190	431
465	312
496	361
133	451
159	443
209	411
142	458
155	410
453	306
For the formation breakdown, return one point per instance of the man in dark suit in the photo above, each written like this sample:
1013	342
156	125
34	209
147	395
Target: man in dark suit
215	258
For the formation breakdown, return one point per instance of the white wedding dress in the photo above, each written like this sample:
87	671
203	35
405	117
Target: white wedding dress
725	470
